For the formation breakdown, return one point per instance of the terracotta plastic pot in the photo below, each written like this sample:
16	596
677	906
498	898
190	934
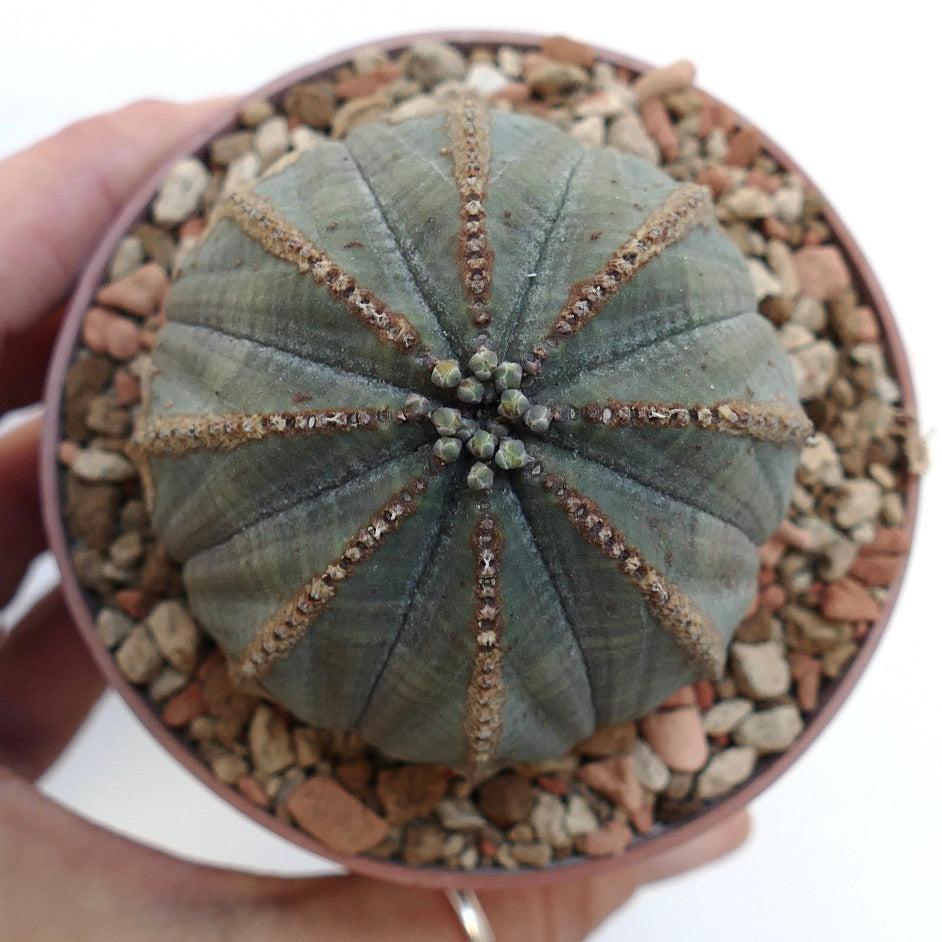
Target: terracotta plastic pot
83	605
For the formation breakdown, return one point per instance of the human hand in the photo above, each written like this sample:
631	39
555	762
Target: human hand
61	877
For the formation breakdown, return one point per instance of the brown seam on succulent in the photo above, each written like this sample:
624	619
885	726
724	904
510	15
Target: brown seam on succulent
779	423
669	223
469	138
261	222
283	631
486	695
181	434
692	630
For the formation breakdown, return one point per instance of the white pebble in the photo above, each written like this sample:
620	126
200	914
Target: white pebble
725	771
771	730
179	197
760	669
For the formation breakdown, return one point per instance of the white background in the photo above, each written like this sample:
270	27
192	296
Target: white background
845	847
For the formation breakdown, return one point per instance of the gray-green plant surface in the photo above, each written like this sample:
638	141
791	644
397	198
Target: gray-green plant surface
467	436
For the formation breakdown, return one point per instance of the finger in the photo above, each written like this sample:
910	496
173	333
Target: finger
23	359
59	195
48	683
23	534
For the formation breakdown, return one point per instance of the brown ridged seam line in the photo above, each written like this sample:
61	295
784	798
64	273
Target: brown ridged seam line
692	630
261	222
181	434
777	422
486	695
669	223
469	139
283	631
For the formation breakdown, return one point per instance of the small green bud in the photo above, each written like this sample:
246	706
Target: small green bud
482	444
513	404
467	428
446	374
446	421
447	449
511	454
480	477
482	363
508	376
416	407
470	389
538	418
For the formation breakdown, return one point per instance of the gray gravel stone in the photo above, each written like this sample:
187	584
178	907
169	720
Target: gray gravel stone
176	634
138	656
269	740
725	771
815	368
96	464
820	463
761	670
650	768
459	814
627	133
272	138
548	820
486	78
433	62
179	197
764	283
723	716
858	502
113	626
771	730
579	817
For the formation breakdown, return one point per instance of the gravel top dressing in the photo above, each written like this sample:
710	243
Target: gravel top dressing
824	576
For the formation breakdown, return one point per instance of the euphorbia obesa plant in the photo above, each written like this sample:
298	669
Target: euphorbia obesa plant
467	436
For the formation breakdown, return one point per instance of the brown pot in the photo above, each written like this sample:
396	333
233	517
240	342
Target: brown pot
82	606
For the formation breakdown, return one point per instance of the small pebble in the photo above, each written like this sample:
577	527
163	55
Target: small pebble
822	271
269	740
176	633
112	626
459	814
771	730
506	799
332	815
96	464
548	821
677	736
139	293
412	791
615	779
579	818
664	81
432	62
726	770
610	839
180	195
723	717
761	670
138	656
849	599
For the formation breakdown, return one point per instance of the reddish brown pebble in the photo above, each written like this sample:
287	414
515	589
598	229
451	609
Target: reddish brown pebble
877	569
773	228
761	180
506	799
564	49
514	92
185	706
706	696
253	791
616	780
822	271
716	178
412	791
192	228
356	86
332	815
868	327
848	599
486	848
122	338
887	540
773	597
95	328
658	122
140	293
127	388
68	452
642	820
134	602
664	81
610	839
744	146
806	673
678	737
771	551
555	786
686	696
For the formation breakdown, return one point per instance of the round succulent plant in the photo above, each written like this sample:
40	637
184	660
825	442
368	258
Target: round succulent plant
467	436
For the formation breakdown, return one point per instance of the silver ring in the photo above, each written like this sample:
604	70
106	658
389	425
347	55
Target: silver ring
474	920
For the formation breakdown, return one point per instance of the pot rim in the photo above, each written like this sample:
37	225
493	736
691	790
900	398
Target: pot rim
641	849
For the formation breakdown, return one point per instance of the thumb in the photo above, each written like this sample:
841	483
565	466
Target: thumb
59	195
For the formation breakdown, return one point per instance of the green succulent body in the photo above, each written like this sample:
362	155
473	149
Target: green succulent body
467	436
